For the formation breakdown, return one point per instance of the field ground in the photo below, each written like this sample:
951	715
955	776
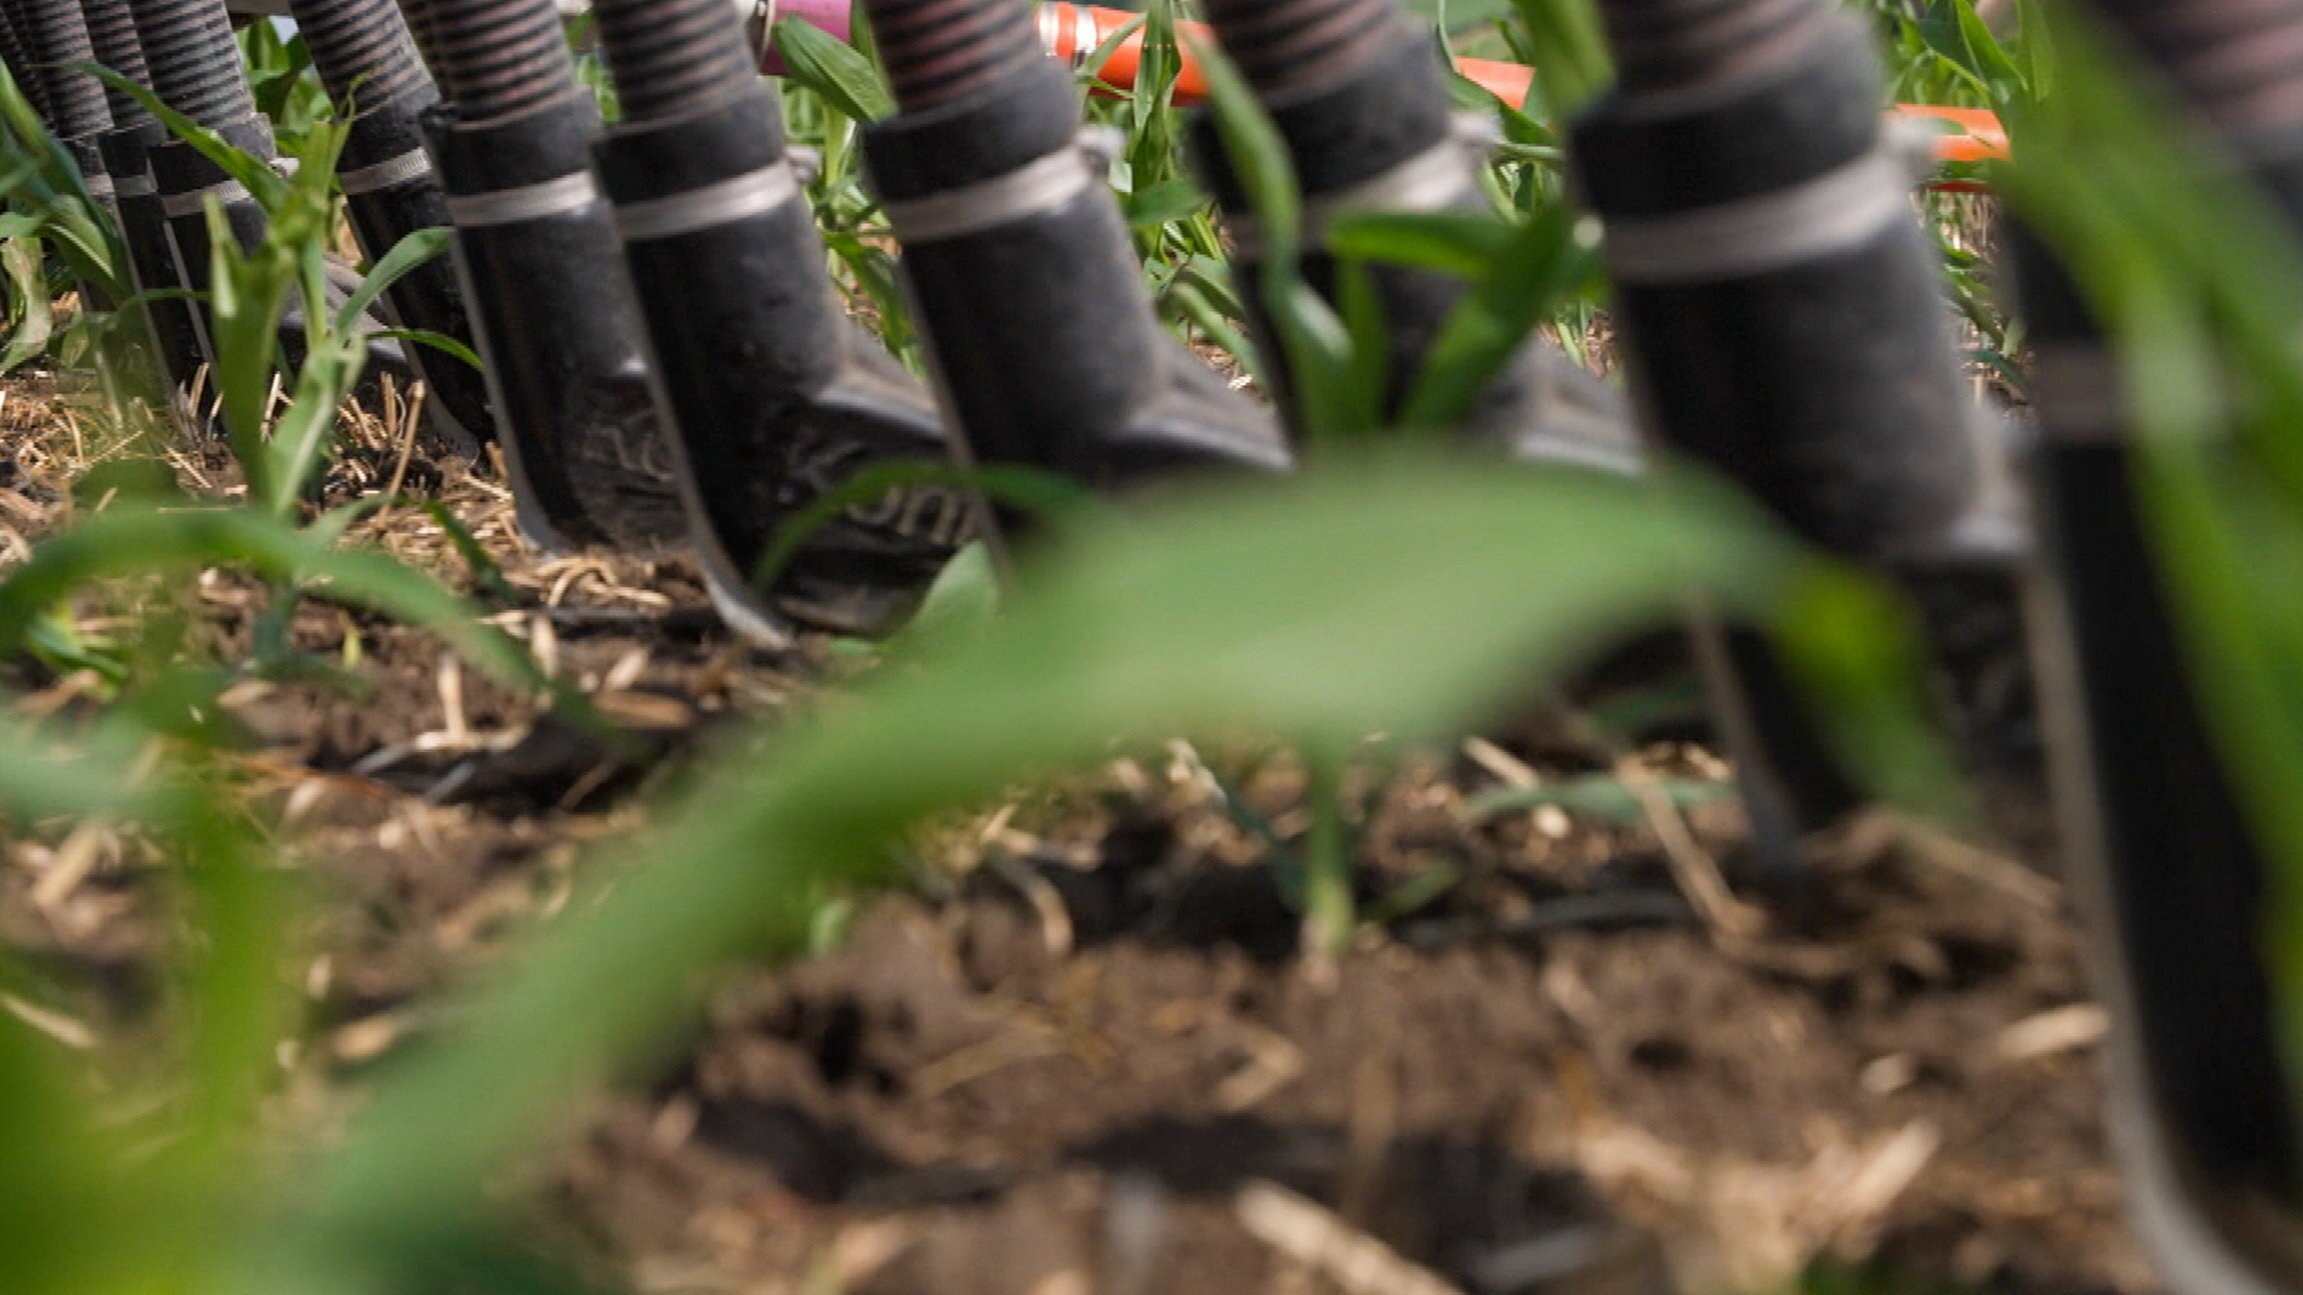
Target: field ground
1081	1055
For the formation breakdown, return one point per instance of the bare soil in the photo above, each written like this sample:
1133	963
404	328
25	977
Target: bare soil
1082	1053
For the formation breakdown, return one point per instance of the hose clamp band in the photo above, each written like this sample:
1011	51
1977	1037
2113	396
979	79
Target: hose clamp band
1836	210
139	185
759	19
557	196
1434	180
1042	184
192	202
414	164
750	194
1084	33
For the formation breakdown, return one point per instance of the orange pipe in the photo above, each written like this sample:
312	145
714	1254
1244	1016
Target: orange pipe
1071	32
1979	138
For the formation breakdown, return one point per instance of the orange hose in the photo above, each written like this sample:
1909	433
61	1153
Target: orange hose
1072	32
1979	138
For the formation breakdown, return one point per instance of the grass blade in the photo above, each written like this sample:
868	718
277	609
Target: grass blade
828	66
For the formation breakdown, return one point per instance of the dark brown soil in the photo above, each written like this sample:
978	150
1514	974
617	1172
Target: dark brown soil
1084	1055
948	1082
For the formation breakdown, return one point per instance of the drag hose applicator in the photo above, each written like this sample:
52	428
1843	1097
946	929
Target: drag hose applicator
1020	267
196	70
1358	96
1782	321
56	34
127	151
2234	64
16	53
2174	879
776	397
370	69
537	255
55	37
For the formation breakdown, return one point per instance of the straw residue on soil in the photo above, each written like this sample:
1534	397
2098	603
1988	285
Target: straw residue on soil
1081	1054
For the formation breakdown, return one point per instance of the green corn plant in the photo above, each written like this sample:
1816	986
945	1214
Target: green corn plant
279	451
254	286
829	87
1117	634
42	185
1336	359
1562	42
1391	594
1399	593
31	324
841	76
1173	220
1402	592
72	1161
51	229
1946	53
280	74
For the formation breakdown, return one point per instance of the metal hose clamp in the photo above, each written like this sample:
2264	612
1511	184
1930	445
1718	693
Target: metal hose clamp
192	202
749	194
1042	184
1769	231
571	192
411	165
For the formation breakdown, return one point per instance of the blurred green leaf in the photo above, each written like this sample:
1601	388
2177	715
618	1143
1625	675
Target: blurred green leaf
1543	261
1600	796
2198	283
1461	15
1166	201
266	185
49	775
20	259
1315	344
440	342
828	66
961	602
1568	51
135	542
1392	595
1466	244
406	256
1855	651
